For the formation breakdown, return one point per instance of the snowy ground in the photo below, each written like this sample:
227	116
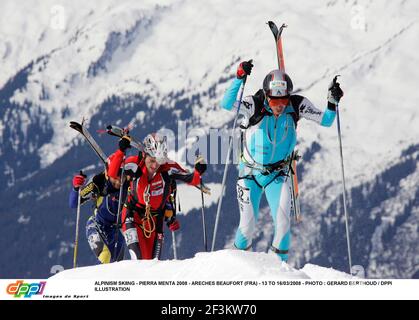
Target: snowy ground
221	275
220	265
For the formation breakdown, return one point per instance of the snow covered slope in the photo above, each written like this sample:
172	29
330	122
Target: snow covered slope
221	265
161	62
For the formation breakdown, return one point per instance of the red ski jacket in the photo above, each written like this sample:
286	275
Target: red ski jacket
158	188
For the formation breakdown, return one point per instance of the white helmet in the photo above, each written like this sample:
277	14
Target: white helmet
156	146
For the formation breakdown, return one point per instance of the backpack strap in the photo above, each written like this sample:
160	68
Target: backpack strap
295	103
260	110
167	188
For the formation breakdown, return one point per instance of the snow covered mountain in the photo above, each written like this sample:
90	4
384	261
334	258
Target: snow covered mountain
165	62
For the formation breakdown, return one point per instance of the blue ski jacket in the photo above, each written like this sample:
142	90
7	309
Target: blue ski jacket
267	139
104	196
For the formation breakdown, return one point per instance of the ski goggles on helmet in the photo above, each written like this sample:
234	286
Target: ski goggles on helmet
278	88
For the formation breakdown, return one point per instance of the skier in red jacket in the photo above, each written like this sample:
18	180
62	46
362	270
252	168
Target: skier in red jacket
148	202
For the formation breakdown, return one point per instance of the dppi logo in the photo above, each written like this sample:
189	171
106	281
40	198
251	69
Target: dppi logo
27	290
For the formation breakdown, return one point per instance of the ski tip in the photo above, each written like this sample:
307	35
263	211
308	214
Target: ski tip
273	27
275	30
272	24
75	125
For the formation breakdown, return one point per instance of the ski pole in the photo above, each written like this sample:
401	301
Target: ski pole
230	146
204	226
119	208
158	246
173	233
76	241
343	184
173	197
174	245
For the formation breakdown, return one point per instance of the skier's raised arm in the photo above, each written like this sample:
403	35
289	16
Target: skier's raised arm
230	96
114	161
308	111
191	178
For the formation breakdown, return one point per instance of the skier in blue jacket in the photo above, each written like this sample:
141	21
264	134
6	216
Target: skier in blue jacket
269	120
103	191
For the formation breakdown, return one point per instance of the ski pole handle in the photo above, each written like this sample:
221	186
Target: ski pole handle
335	79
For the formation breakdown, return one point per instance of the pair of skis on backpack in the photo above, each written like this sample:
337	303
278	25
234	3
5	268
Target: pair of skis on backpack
295	196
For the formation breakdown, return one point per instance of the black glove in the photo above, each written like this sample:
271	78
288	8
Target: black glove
124	143
200	165
335	92
244	69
